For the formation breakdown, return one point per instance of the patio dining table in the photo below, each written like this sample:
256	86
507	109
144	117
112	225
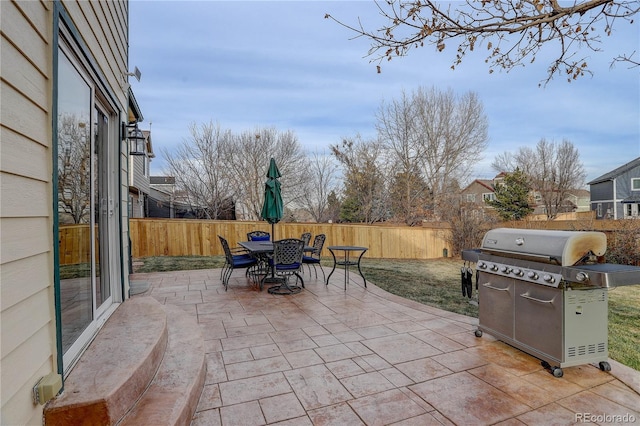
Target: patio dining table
265	247
262	250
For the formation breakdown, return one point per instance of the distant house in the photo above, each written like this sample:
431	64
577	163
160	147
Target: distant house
475	195
577	200
616	195
477	192
165	201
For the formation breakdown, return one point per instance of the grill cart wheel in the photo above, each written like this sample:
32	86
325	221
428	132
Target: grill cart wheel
556	371
478	333
604	366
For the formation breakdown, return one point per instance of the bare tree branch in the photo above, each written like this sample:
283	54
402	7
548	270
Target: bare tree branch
513	31
322	172
198	167
433	138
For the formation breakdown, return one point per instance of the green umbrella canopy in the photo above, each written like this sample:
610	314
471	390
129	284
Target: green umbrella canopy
272	209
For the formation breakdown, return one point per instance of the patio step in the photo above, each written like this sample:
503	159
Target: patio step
133	356
173	396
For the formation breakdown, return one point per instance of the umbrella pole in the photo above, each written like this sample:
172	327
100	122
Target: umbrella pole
273	239
273	268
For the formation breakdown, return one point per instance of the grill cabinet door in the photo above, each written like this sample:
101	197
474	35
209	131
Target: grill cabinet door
586	327
496	304
538	318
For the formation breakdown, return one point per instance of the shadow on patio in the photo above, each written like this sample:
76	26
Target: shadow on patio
364	356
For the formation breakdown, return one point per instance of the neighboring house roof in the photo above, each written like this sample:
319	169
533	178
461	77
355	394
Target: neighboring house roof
616	172
579	193
487	183
147	137
162	180
135	114
632	199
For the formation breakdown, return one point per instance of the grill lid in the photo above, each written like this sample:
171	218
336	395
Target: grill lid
565	248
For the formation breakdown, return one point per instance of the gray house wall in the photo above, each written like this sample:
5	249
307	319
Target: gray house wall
609	190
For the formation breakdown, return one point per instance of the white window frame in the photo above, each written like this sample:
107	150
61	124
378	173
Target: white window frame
489	196
635	184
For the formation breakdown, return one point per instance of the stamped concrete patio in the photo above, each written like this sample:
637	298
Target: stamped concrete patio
327	356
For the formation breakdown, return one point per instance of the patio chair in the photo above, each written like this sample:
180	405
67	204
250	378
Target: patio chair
234	251
306	237
258	236
287	259
313	258
234	261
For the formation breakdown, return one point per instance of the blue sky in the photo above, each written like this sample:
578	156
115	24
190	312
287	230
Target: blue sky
280	64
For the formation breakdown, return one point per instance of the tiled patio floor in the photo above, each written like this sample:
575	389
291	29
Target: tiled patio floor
327	356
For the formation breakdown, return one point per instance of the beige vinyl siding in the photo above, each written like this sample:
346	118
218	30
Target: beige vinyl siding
24	159
26	76
27	319
29	364
29	273
24	117
33	322
21	192
108	49
36	17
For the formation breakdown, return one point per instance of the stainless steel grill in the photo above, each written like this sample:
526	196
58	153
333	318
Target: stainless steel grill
545	292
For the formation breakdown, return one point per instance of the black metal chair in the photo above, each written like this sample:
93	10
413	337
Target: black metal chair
234	261
234	251
313	258
306	237
287	262
258	236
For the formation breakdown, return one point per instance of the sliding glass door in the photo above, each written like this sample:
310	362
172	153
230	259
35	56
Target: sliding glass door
87	210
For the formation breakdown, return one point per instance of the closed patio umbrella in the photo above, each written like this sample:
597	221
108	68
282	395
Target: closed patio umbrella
272	208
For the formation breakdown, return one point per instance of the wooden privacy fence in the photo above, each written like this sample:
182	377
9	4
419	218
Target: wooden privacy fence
188	237
74	244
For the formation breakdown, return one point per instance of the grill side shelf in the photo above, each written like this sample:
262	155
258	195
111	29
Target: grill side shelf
604	275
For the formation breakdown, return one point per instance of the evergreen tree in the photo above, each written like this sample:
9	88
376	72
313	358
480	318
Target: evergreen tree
350	210
512	197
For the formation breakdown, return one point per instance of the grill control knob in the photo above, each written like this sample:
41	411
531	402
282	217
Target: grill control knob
518	272
548	278
505	269
582	277
494	267
532	275
482	265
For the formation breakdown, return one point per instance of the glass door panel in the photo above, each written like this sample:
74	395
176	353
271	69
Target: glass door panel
74	192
